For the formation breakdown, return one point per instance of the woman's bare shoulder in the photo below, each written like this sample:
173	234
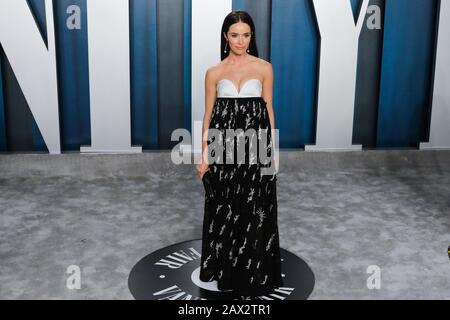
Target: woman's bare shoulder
215	72
265	68
215	69
263	63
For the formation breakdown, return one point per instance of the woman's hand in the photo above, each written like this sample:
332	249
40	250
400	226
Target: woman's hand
201	168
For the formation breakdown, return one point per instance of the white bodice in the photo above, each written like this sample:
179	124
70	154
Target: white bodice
250	88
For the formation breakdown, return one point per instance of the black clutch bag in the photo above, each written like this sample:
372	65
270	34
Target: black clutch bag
208	184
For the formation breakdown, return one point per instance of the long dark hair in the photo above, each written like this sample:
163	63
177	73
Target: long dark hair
232	18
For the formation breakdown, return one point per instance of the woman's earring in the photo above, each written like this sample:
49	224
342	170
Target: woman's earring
225	51
248	50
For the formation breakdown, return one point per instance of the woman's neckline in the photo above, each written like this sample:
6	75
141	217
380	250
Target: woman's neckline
242	86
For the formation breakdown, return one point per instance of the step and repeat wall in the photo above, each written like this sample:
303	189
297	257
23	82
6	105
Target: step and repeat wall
124	75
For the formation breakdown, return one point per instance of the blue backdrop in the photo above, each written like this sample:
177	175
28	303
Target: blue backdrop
393	93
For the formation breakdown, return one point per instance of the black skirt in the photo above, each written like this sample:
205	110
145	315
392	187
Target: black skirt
240	242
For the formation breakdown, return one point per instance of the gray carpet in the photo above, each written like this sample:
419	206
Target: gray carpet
340	212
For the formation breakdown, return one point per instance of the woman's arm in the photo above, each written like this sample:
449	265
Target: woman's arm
267	96
210	97
268	92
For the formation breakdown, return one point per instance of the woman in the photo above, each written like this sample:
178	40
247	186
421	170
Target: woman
240	245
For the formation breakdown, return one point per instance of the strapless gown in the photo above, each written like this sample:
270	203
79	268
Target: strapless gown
240	242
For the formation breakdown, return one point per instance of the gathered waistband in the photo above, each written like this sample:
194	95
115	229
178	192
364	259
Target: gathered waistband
242	98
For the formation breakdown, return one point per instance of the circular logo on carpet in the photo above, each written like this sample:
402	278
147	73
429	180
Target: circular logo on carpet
172	273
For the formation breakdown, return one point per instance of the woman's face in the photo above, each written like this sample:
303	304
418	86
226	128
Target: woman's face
239	36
